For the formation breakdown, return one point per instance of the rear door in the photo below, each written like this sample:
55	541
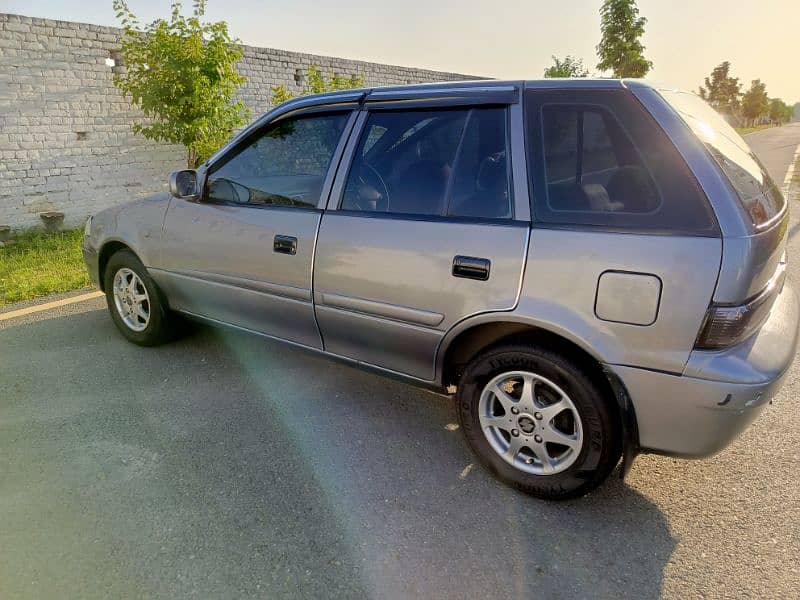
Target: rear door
425	227
242	255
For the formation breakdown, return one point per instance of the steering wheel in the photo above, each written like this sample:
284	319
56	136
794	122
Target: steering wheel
372	193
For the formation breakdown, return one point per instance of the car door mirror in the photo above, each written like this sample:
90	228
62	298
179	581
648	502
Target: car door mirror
183	184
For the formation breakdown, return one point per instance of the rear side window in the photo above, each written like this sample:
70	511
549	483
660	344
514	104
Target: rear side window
598	159
757	192
591	165
448	163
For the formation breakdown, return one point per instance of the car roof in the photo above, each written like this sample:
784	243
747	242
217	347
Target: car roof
472	85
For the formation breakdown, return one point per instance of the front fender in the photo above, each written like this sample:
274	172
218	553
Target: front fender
137	224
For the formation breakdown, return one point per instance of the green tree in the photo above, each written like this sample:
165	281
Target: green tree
620	49
280	94
181	73
777	110
317	83
755	102
569	66
721	90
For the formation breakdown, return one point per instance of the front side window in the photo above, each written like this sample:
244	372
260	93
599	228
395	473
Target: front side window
432	163
285	164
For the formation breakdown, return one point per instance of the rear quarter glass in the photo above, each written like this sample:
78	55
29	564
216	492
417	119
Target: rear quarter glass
680	206
758	194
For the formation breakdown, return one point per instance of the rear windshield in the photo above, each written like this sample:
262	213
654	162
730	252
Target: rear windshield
759	195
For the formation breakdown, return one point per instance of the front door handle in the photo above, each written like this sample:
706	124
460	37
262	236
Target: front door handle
471	267
285	244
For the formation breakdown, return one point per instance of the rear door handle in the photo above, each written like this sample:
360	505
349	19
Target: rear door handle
285	244
471	267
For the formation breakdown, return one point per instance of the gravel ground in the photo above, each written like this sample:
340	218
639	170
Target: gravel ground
226	466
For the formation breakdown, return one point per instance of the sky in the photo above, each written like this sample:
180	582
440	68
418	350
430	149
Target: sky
504	39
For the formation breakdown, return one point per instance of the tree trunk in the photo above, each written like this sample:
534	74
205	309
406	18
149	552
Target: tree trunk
191	159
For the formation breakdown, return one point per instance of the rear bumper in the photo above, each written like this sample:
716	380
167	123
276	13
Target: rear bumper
720	393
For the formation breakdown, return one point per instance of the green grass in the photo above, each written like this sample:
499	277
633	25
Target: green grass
746	130
40	264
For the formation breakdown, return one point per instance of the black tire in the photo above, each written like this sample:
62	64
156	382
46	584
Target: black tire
162	325
601	427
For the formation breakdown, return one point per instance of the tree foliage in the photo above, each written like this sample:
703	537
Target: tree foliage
317	83
569	66
755	102
779	111
182	73
721	90
620	49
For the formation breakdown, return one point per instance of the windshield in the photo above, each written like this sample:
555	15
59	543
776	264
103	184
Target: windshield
759	195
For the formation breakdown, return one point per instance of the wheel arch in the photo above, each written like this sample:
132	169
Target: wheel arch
107	250
469	337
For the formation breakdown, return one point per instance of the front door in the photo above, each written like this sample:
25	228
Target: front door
421	234
243	254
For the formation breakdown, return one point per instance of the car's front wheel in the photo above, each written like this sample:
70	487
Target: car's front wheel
135	302
539	421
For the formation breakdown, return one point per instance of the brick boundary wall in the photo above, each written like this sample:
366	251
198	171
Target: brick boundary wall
65	131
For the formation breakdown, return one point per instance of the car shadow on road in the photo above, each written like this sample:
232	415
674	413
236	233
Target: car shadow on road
282	473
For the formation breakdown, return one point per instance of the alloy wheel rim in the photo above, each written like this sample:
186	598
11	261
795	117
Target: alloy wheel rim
131	299
530	422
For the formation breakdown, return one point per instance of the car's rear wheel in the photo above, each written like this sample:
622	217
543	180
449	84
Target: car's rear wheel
539	421
135	302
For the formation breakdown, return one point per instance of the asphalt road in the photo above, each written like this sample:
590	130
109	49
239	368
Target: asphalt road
228	466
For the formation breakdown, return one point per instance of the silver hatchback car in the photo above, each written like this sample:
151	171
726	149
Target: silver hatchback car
595	268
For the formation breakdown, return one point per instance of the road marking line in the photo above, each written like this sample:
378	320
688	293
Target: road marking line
13	314
787	181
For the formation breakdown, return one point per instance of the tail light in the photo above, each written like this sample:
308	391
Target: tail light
726	326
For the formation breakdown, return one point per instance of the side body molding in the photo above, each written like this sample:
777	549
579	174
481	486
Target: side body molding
383	309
